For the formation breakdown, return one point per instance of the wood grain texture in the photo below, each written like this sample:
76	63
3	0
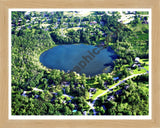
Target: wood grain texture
78	3
4	40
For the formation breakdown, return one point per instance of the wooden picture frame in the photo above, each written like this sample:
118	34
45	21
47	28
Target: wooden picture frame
5	122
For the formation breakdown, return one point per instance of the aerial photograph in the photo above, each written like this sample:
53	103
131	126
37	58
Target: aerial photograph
80	62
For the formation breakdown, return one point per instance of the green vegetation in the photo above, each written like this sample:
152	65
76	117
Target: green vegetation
126	101
139	71
144	61
37	90
99	91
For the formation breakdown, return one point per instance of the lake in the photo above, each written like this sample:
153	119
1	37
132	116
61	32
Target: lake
88	59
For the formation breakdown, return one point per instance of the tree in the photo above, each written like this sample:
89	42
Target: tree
67	90
59	93
67	111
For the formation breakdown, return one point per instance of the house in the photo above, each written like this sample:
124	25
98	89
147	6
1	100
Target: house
74	110
36	96
137	59
93	22
82	86
27	13
64	102
105	83
52	13
90	95
134	65
19	28
101	44
46	29
139	65
101	22
115	78
65	23
92	90
126	87
110	98
128	69
24	93
20	20
144	22
66	83
29	27
53	93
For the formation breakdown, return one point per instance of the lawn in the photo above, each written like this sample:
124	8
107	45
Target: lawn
65	30
138	71
138	27
67	98
144	61
99	91
45	25
114	90
74	28
146	67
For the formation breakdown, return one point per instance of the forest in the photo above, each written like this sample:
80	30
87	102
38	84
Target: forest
38	90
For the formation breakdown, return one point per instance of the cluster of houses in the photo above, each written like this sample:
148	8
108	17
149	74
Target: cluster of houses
136	62
92	90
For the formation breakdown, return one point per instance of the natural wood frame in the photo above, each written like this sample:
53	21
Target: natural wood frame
4	40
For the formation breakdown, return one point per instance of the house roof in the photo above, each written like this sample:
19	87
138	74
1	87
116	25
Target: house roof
115	78
74	111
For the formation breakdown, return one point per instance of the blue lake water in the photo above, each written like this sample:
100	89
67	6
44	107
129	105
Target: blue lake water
81	58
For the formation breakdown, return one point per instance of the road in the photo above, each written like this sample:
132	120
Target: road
92	104
120	82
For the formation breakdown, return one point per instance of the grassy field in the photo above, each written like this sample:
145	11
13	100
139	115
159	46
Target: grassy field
146	67
67	98
68	29
139	27
138	71
44	25
99	91
144	61
74	28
